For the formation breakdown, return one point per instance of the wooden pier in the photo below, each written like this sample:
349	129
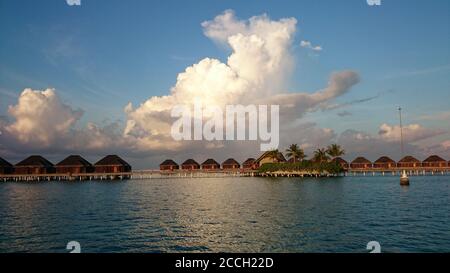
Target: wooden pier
157	174
140	174
418	171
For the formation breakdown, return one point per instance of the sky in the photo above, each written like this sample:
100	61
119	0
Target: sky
98	77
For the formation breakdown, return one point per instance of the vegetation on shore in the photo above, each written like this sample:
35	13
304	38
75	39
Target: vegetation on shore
306	166
321	162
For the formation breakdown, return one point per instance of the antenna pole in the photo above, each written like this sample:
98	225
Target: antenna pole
401	130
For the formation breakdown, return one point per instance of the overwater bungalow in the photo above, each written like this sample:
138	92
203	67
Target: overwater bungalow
342	162
266	157
34	164
168	165
230	163
5	167
112	164
74	164
249	164
384	162
409	162
434	161
360	163
210	164
190	164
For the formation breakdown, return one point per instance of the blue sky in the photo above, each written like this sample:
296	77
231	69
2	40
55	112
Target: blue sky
103	54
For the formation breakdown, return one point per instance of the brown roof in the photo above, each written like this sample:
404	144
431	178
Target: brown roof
384	159
230	161
409	159
210	161
361	160
4	163
249	161
34	160
280	157
74	160
111	160
435	158
190	162
168	162
340	160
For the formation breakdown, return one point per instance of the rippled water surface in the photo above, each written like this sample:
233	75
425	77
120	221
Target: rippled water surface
227	215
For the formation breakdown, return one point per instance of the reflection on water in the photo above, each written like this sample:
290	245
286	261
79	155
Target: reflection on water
227	215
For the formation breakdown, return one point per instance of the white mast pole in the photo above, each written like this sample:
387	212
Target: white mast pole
401	131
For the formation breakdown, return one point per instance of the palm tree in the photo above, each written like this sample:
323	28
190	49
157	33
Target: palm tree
335	150
320	155
295	153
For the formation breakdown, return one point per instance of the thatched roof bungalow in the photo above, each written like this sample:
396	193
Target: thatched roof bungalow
112	164
434	161
190	164
360	163
34	164
5	167
74	164
249	164
267	158
342	162
210	164
409	162
168	165
384	162
230	163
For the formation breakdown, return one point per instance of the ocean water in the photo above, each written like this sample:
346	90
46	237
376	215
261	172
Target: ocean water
227	215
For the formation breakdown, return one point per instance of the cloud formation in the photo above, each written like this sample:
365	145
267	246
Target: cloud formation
73	2
411	133
259	65
255	73
309	45
40	117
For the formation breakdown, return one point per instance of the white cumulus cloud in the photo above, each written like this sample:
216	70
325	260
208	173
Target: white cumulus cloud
309	45
411	132
40	117
255	73
73	2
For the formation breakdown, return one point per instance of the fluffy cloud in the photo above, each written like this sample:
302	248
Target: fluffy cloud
308	45
255	73
73	2
411	133
41	122
40	117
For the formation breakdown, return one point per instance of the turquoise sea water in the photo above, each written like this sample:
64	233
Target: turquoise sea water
227	215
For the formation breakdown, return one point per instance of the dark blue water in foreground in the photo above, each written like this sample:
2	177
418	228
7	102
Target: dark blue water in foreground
228	214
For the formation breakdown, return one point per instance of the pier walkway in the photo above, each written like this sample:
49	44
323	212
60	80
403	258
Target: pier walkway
152	174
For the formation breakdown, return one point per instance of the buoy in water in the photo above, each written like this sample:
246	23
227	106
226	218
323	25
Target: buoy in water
404	179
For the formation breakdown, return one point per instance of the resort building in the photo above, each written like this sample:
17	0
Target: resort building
361	163
342	162
210	164
190	164
434	161
384	162
74	164
267	157
5	167
230	163
34	164
112	164
168	165
409	162
249	164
